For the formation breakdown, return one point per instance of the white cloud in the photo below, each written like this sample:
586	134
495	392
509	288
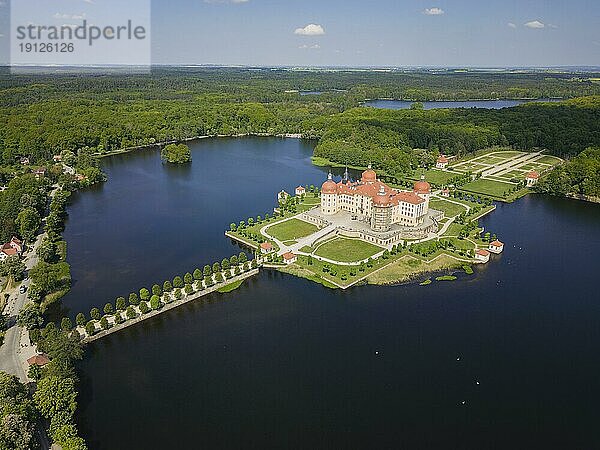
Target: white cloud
535	24
551	25
511	25
91	2
69	16
310	30
433	11
310	47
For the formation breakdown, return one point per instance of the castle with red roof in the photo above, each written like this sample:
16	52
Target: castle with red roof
374	202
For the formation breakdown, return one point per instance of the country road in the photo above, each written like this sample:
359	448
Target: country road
12	356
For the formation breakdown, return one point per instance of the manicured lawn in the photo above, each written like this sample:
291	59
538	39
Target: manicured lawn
291	230
450	209
434	176
547	159
453	229
487	187
347	250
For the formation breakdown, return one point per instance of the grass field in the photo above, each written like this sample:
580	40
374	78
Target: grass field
547	159
408	267
434	176
291	230
487	187
347	250
450	209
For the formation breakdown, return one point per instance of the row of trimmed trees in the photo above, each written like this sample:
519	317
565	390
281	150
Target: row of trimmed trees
146	300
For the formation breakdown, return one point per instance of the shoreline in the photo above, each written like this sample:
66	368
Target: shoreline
195	138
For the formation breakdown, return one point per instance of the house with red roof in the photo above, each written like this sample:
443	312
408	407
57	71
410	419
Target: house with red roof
496	246
482	255
266	247
442	162
300	190
531	178
289	258
12	248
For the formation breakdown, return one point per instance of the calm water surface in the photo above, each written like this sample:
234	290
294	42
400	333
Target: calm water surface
285	363
487	104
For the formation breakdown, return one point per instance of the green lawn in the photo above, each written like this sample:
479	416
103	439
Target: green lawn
347	250
487	187
291	230
450	209
547	159
434	176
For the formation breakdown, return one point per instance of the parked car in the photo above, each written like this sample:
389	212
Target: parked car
22	289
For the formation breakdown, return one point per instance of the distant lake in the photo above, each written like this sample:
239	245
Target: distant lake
286	363
487	104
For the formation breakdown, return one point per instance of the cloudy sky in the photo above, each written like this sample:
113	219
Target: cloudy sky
364	32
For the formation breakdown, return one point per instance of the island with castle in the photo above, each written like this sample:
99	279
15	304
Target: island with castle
365	231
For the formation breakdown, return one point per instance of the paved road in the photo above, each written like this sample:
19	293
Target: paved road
12	356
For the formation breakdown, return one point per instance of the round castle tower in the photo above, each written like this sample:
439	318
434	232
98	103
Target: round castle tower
329	204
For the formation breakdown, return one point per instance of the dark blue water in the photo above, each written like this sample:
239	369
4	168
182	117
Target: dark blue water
487	104
285	363
152	221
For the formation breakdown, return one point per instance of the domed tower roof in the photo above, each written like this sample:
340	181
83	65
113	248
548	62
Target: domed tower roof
329	187
381	199
422	186
369	175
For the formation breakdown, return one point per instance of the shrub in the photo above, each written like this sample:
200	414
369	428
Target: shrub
120	304
95	313
177	294
188	278
108	308
144	307
66	324
156	290
133	299
80	319
131	314
90	328
198	274
177	282
104	323
155	302
144	294
189	289
167	286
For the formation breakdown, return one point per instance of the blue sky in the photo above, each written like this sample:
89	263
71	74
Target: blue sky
368	33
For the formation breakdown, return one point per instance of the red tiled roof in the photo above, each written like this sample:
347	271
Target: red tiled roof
372	190
266	245
40	360
533	174
8	250
442	159
497	243
289	255
482	252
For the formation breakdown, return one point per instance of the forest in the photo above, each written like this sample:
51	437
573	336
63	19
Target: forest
386	138
45	114
579	176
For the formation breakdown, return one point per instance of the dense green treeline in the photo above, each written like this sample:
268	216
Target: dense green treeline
386	138
579	176
44	115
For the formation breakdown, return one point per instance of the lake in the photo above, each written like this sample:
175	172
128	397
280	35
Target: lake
487	104
286	363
